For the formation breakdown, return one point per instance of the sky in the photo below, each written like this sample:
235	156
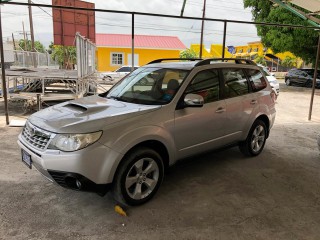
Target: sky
188	31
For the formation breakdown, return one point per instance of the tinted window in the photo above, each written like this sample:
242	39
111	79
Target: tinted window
124	69
235	83
206	84
257	80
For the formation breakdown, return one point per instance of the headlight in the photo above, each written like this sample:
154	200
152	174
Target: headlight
73	142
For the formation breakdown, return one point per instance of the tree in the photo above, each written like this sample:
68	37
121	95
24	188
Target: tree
188	53
66	56
300	42
260	60
289	62
37	45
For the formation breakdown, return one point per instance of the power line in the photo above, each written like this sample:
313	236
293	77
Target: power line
137	23
208	32
43	10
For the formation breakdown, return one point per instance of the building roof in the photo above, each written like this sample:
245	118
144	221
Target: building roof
140	41
311	5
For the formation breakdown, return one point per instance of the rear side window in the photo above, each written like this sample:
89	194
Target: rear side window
257	80
206	84
235	83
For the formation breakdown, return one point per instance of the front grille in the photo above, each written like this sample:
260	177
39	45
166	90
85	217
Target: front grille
36	136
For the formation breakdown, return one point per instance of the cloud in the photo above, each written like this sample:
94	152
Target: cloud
187	30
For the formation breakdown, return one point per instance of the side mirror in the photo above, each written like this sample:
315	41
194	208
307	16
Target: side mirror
193	100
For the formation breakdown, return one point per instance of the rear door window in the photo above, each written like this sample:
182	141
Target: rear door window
206	84
235	82
257	80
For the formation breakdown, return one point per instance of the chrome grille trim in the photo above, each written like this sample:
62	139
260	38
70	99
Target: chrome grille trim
35	136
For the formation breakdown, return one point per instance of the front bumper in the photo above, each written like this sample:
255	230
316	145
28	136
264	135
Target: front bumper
78	182
90	169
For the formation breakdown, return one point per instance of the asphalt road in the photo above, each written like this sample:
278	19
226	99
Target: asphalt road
220	195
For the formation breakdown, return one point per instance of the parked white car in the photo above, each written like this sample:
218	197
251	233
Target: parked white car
272	80
117	74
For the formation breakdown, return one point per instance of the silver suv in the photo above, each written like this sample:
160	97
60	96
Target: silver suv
125	139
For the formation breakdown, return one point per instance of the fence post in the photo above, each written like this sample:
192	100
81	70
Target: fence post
39	101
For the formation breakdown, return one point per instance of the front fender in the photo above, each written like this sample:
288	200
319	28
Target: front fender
145	133
132	138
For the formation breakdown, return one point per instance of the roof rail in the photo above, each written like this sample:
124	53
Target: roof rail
174	59
236	60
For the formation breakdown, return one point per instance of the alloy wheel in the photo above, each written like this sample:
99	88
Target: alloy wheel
142	178
258	138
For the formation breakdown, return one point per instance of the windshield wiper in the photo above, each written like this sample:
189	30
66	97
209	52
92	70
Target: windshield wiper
116	98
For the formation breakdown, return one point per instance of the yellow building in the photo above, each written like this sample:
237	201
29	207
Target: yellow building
215	51
196	49
254	49
114	50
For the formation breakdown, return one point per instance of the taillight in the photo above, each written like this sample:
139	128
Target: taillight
273	96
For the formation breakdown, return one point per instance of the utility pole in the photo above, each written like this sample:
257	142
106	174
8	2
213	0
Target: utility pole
24	37
183	5
32	34
15	48
202	27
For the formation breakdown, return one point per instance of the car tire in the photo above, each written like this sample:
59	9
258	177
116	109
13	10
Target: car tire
256	139
309	84
288	82
138	177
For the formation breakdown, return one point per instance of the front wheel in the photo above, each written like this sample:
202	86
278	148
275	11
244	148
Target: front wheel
288	83
256	139
138	178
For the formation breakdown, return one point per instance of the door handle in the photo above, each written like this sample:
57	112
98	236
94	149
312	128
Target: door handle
253	102
220	110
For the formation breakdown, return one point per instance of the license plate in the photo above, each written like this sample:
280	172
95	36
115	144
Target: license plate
26	158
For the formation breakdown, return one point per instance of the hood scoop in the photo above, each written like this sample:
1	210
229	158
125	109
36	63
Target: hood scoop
76	107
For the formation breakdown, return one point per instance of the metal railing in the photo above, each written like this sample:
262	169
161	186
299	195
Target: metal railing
26	59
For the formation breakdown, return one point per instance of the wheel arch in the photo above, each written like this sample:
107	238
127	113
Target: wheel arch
266	121
155	145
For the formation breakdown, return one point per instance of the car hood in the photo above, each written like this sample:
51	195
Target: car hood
87	114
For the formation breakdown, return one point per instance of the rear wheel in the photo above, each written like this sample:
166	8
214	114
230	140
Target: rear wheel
138	177
256	139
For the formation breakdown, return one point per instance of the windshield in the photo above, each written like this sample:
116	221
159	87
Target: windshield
310	72
149	85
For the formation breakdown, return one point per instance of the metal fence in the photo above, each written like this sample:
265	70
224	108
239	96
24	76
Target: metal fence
30	59
86	56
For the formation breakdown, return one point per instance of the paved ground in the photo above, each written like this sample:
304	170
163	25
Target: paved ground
221	195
